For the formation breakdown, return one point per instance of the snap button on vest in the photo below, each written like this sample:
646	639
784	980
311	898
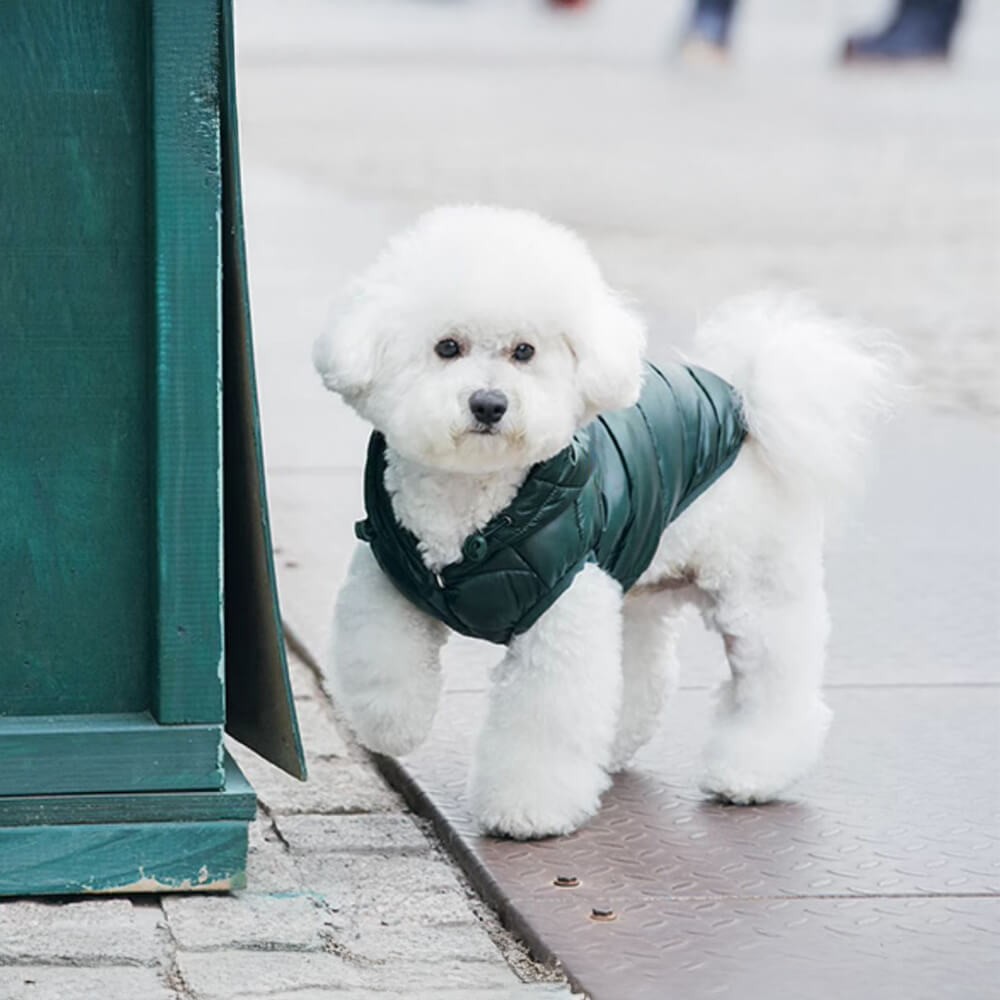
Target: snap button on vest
474	548
363	531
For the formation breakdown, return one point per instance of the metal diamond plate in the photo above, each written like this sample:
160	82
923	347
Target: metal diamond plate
889	854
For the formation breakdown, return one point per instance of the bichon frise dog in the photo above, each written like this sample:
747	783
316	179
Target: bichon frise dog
531	480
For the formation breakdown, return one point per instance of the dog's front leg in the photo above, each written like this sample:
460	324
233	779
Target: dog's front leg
541	763
386	667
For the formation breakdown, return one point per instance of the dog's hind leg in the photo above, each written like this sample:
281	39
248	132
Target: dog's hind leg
651	624
770	719
541	763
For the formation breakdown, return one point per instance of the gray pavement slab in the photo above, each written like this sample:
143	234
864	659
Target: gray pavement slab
534	991
367	834
388	889
267	922
379	942
334	786
108	932
227	975
270	869
319	731
36	982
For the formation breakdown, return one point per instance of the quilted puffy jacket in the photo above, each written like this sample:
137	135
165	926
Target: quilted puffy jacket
606	499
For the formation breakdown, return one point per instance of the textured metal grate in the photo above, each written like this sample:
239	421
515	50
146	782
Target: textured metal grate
881	878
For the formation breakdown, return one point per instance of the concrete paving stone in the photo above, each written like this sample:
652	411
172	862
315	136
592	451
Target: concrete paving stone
269	866
303	680
365	834
227	975
40	982
334	786
375	942
313	514
261	832
106	931
393	890
320	735
454	974
245	920
521	991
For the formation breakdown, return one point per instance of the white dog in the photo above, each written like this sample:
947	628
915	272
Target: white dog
480	344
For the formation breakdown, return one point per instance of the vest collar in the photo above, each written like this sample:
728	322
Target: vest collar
549	488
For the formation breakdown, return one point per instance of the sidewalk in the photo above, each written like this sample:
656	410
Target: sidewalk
877	191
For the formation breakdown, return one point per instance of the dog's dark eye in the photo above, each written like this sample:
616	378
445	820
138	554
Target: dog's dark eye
447	348
523	352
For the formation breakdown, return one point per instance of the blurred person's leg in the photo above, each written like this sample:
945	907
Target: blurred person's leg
919	29
708	28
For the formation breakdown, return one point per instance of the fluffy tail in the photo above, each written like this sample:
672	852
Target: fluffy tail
812	385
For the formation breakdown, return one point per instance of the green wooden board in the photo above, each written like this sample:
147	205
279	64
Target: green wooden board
110	395
186	205
128	857
116	845
116	753
127	372
76	593
236	802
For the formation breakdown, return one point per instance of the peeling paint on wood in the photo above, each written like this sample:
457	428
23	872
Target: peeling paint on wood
127	857
151	883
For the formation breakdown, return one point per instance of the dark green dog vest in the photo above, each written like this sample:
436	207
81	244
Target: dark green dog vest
606	499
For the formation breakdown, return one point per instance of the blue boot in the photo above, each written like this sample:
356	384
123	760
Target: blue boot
920	29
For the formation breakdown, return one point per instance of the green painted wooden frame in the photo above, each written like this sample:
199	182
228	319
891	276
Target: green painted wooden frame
116	752
181	737
236	802
135	800
187	200
216	611
123	858
154	842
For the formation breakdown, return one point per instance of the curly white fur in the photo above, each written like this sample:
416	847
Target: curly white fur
580	692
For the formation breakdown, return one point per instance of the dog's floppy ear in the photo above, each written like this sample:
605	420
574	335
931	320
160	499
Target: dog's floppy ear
346	353
609	349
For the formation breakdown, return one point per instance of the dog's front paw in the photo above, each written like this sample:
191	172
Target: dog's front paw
394	724
753	759
536	800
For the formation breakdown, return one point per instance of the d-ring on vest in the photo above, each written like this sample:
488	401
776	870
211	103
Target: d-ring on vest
606	499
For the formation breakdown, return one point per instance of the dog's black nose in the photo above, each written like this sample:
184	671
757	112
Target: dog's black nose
488	405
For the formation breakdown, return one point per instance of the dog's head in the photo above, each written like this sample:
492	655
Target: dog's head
481	339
